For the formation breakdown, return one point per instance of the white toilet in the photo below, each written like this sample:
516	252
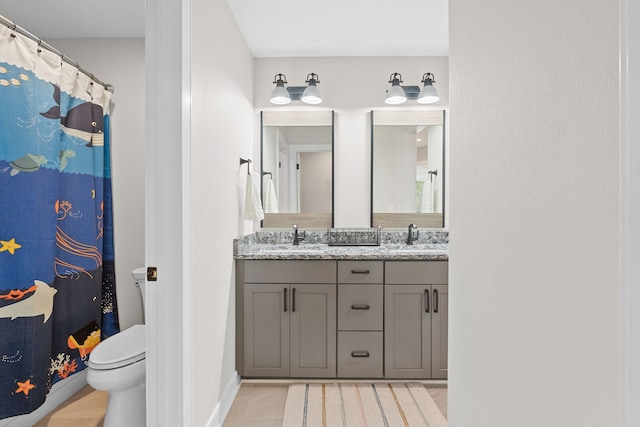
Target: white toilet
117	365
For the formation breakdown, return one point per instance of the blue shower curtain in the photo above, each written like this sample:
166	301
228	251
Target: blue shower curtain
57	281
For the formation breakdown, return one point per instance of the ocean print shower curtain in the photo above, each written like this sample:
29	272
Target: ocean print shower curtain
57	282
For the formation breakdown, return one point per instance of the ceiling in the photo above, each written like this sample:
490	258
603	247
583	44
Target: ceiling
77	18
275	28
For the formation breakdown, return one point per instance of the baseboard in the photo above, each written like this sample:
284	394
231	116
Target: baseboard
226	400
59	393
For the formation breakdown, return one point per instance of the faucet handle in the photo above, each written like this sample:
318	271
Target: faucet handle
411	235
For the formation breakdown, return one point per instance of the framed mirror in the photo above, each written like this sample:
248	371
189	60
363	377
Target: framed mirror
407	168
296	157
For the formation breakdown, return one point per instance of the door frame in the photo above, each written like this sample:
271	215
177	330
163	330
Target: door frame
629	206
167	223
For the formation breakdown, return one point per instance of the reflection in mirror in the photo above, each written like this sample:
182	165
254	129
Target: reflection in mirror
297	168
407	168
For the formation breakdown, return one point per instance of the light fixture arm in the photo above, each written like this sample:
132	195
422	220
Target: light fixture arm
280	79
312	77
395	79
428	78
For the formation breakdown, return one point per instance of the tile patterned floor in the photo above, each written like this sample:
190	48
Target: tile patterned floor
255	405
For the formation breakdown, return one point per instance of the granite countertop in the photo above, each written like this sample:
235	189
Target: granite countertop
278	246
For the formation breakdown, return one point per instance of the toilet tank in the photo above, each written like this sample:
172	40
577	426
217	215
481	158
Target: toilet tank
140	275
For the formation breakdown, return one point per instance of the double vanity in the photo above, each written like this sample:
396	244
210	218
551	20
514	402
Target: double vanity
335	304
315	310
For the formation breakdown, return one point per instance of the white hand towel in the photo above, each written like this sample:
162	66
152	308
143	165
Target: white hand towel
252	203
270	198
429	196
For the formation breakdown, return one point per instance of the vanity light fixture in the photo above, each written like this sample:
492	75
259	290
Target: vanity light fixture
396	94
280	95
428	94
399	94
309	94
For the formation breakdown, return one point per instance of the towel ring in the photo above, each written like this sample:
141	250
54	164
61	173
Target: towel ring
248	161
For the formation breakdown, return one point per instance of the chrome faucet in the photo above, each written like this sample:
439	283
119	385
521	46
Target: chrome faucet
296	237
411	236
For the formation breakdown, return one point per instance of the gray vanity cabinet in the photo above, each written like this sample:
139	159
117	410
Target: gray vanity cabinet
289	319
360	319
416	313
313	331
342	318
266	344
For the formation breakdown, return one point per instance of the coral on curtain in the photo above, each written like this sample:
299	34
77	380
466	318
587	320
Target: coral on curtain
57	283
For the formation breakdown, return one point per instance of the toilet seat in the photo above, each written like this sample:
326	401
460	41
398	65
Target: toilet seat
122	349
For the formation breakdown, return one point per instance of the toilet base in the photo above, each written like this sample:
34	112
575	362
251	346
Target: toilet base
127	393
127	408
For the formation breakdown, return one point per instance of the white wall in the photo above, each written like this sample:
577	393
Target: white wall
534	252
222	123
120	62
352	86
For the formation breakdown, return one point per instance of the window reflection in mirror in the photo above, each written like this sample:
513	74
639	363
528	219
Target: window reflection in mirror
407	168
297	168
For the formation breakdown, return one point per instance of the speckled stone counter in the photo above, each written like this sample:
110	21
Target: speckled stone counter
431	245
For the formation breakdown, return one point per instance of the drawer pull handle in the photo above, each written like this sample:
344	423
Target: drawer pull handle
360	307
293	300
285	300
426	300
359	271
359	354
435	300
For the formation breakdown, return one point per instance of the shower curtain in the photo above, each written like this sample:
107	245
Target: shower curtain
57	282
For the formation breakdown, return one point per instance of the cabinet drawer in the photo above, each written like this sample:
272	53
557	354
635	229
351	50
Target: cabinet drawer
360	307
360	271
416	272
288	271
360	354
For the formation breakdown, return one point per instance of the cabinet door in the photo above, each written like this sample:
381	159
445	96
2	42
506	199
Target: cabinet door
407	328
266	324
313	330
440	331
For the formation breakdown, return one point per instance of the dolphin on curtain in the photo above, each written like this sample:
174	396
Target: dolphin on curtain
40	303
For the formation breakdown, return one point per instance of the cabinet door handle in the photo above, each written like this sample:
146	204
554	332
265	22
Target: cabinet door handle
359	271
285	300
359	354
426	300
360	307
293	300
435	300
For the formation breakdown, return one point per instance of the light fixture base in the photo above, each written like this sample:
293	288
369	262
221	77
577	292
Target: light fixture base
411	92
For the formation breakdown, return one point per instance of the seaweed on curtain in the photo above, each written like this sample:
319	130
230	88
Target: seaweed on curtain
57	281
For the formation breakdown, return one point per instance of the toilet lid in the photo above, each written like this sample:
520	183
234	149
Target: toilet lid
122	349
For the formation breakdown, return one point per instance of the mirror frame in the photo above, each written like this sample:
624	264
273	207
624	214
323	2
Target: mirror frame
399	118
298	118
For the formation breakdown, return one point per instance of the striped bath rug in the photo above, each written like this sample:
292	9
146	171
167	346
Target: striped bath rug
361	404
